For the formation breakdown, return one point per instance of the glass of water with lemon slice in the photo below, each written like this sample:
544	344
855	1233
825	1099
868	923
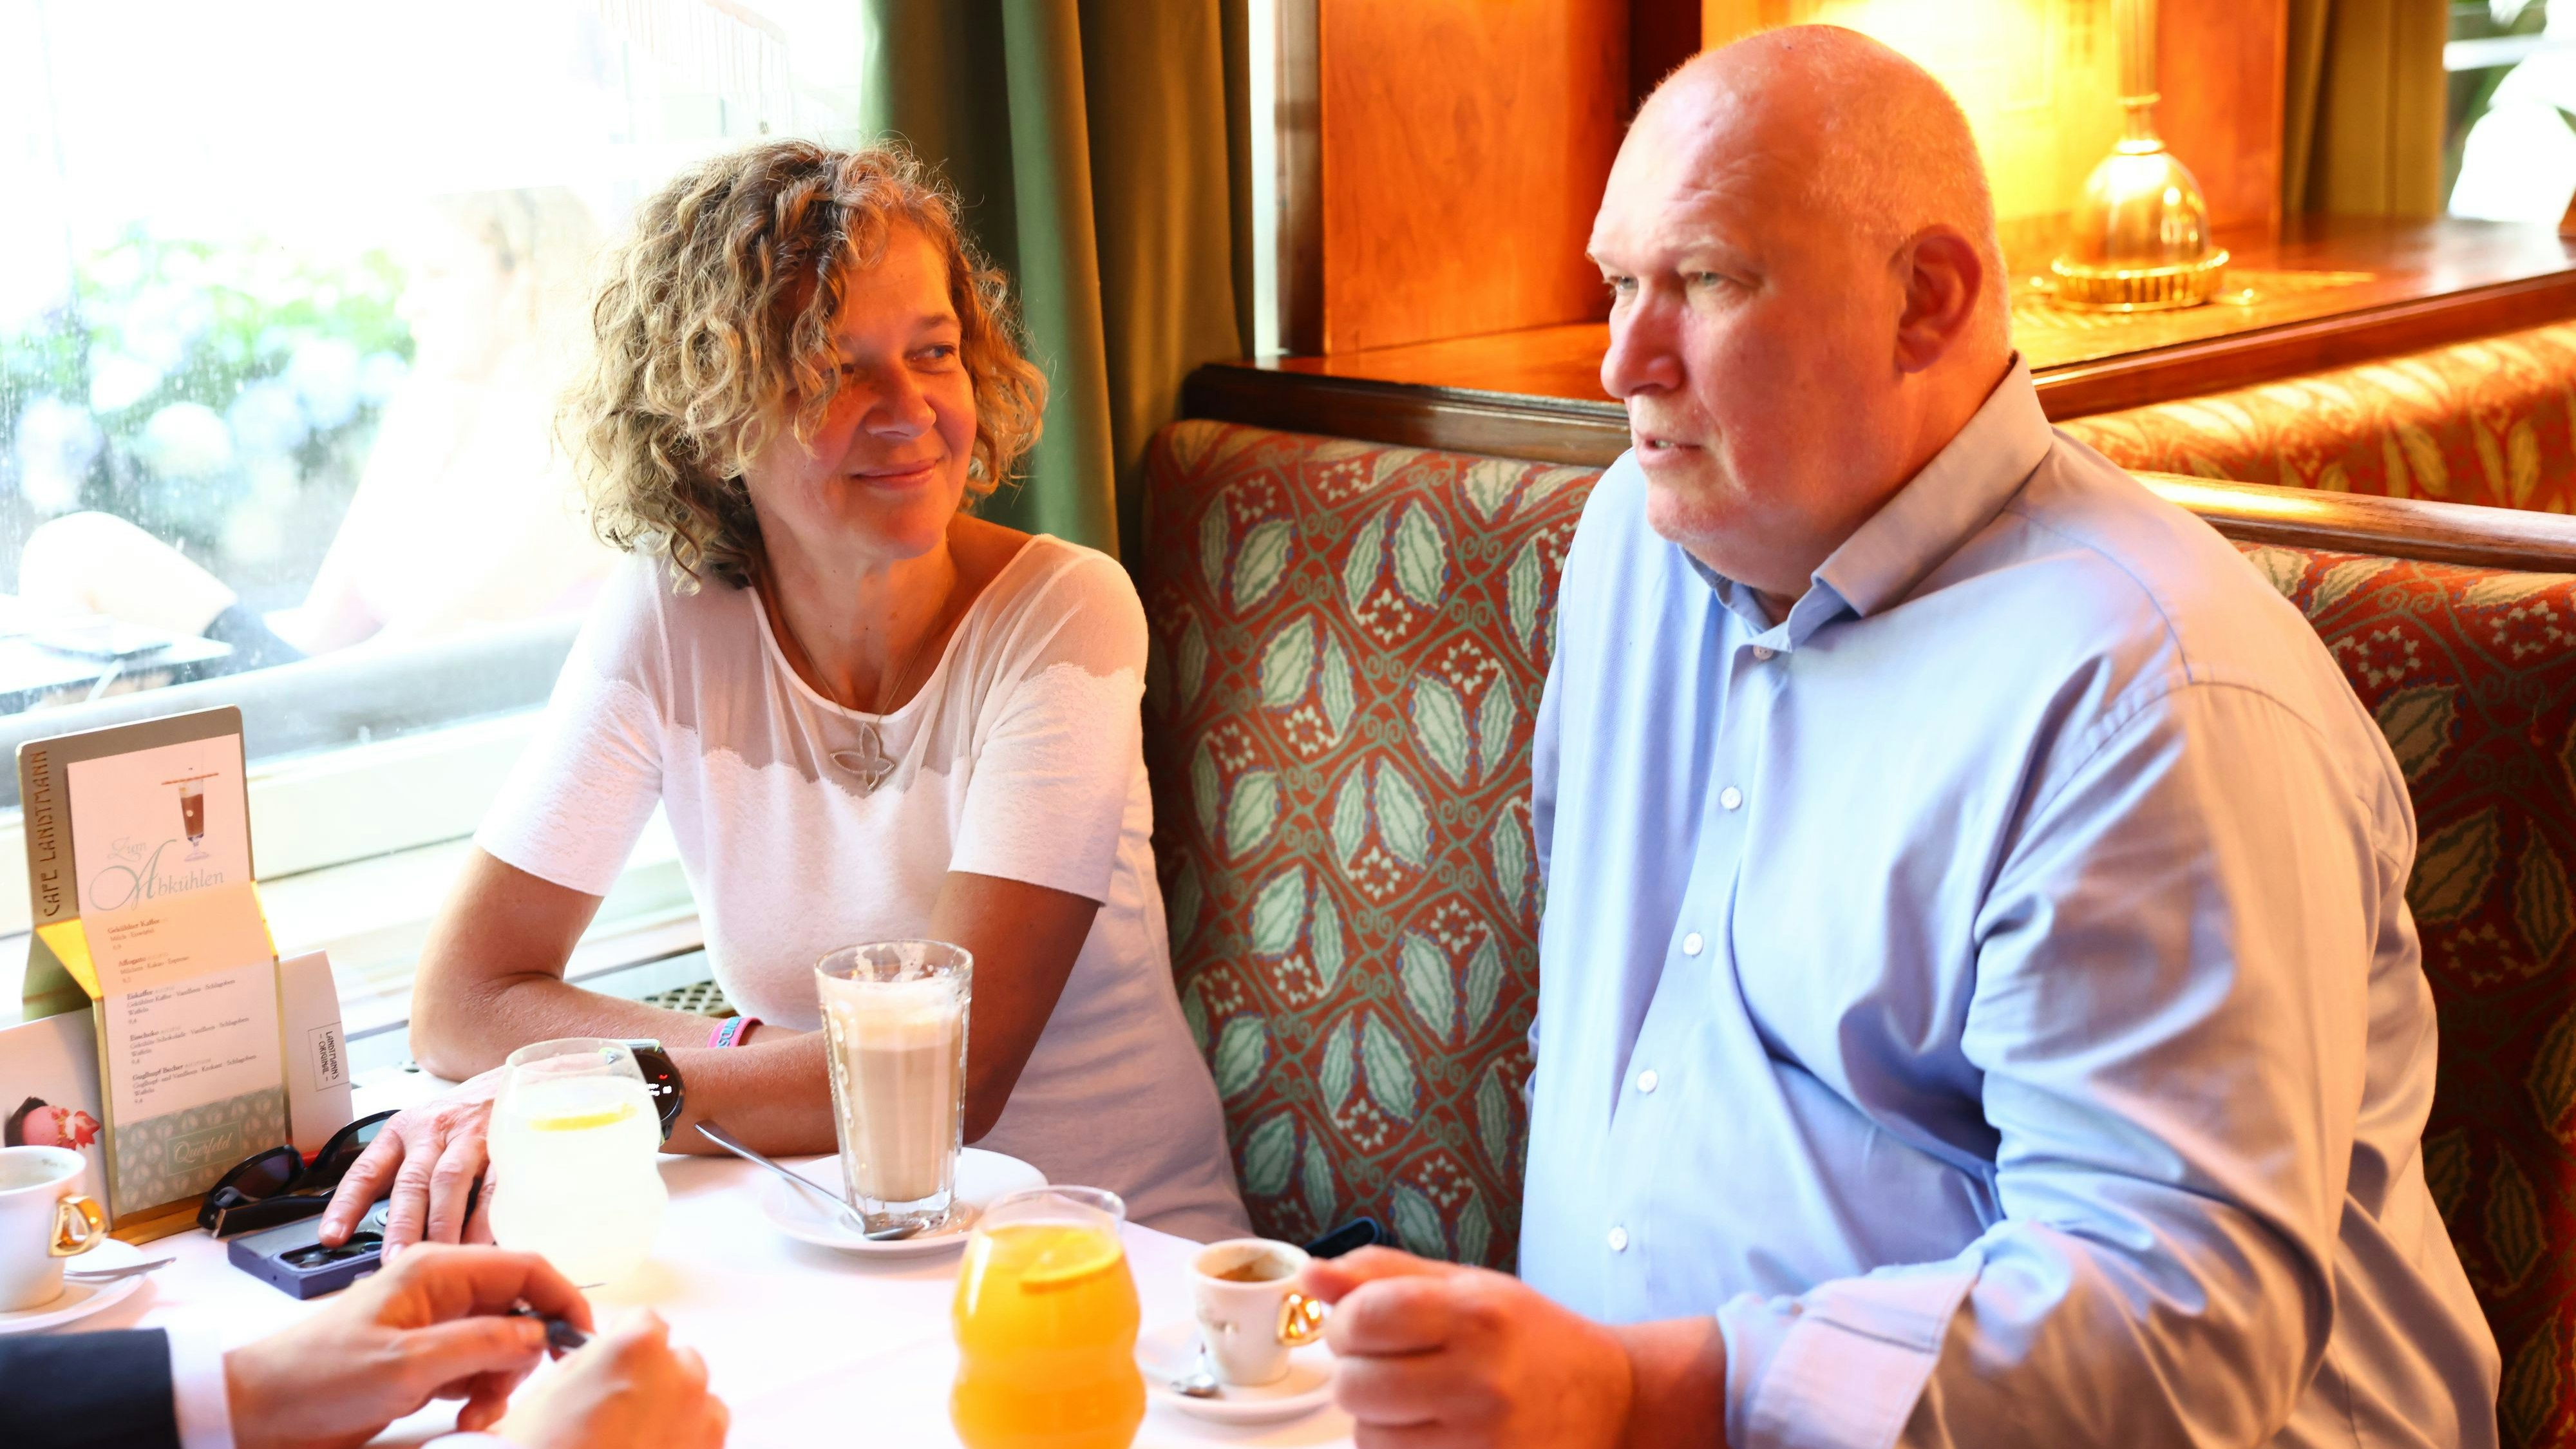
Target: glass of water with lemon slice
574	1142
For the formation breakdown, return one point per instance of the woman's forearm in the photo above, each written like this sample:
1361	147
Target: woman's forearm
458	1033
775	1094
491	972
491	981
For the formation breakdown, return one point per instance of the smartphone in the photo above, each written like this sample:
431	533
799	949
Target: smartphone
1349	1237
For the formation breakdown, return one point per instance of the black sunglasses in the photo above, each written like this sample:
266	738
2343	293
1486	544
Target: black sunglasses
277	1186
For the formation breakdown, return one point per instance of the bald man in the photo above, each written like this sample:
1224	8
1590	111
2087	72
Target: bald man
1978	1004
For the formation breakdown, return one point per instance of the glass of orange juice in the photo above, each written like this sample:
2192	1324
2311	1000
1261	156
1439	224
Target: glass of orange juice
1046	1326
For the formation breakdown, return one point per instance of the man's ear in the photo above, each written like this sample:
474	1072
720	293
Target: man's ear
1944	278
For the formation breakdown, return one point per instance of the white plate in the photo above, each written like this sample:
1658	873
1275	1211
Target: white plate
981	1178
80	1300
1171	1351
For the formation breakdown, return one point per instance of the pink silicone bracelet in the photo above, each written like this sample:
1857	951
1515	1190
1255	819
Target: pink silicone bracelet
730	1031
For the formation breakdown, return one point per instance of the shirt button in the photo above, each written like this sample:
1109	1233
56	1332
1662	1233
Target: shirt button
1730	797
1691	944
1646	1080
1618	1240
1764	652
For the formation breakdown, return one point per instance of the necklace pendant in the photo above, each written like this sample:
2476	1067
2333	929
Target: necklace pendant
869	764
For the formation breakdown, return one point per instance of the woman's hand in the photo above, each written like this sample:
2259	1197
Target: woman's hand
431	1154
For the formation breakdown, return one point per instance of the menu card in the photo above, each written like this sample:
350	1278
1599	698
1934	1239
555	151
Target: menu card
139	862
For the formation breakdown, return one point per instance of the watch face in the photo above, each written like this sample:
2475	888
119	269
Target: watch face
662	1081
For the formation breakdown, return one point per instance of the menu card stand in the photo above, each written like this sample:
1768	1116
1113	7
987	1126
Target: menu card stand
147	914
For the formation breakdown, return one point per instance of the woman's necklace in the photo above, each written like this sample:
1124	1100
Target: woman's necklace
868	762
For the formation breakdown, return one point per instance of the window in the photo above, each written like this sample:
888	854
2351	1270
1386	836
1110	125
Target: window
287	295
2511	143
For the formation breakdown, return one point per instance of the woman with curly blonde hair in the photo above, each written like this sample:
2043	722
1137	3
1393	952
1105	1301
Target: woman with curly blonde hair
868	714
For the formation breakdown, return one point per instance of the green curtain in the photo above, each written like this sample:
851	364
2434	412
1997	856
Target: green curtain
1092	143
2362	123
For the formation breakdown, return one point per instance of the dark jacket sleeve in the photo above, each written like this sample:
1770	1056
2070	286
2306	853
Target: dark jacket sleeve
87	1391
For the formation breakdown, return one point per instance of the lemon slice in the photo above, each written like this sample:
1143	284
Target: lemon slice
583	1121
1073	1257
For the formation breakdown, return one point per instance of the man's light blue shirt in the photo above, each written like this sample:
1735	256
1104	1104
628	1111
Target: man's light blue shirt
1990	989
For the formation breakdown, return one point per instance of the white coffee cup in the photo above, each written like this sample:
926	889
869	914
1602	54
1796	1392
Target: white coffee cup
1250	1313
42	1221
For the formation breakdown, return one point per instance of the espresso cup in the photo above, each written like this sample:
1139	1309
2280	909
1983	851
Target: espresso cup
1250	1313
42	1222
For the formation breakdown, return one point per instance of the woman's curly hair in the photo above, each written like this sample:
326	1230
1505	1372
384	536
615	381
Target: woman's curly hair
704	351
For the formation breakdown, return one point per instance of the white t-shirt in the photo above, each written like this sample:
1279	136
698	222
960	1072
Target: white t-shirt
1021	757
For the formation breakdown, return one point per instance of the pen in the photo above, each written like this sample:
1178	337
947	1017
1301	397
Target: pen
561	1337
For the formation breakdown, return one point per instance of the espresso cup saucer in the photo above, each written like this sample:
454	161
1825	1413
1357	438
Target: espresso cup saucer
80	1300
1171	1350
982	1178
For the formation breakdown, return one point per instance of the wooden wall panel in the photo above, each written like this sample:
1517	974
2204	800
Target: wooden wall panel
1465	143
2046	113
2221	66
1461	145
1661	35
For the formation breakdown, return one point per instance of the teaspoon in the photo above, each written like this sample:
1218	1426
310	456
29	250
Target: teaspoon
110	1275
849	1216
1198	1383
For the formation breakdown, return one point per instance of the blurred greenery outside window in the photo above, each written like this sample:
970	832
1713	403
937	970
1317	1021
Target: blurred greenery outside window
2510	142
288	295
223	397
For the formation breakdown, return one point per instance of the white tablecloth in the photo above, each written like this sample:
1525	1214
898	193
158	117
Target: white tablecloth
806	1346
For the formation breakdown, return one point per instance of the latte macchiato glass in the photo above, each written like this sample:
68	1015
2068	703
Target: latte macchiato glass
894	1016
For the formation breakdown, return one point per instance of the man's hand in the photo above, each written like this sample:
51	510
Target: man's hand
1433	1354
628	1386
431	1154
429	1326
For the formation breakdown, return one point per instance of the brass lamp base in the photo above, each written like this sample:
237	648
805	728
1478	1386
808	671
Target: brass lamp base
2092	288
2138	238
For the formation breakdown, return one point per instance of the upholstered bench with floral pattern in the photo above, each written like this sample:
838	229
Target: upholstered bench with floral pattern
1349	645
2491	421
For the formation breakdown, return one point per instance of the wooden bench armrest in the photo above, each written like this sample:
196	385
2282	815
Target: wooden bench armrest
2411	528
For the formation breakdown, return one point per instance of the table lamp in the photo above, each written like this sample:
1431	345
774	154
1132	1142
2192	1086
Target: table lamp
2139	237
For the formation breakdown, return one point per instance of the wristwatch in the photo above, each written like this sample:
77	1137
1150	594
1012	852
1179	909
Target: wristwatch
661	1080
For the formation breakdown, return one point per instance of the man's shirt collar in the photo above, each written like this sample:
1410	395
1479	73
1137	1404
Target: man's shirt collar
1937	511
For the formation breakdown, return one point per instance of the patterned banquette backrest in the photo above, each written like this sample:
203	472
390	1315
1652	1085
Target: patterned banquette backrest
1349	645
2489	421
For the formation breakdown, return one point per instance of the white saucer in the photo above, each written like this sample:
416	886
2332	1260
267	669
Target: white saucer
80	1300
1171	1350
981	1178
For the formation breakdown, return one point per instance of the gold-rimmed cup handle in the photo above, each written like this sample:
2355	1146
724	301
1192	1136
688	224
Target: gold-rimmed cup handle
78	1227
1301	1319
